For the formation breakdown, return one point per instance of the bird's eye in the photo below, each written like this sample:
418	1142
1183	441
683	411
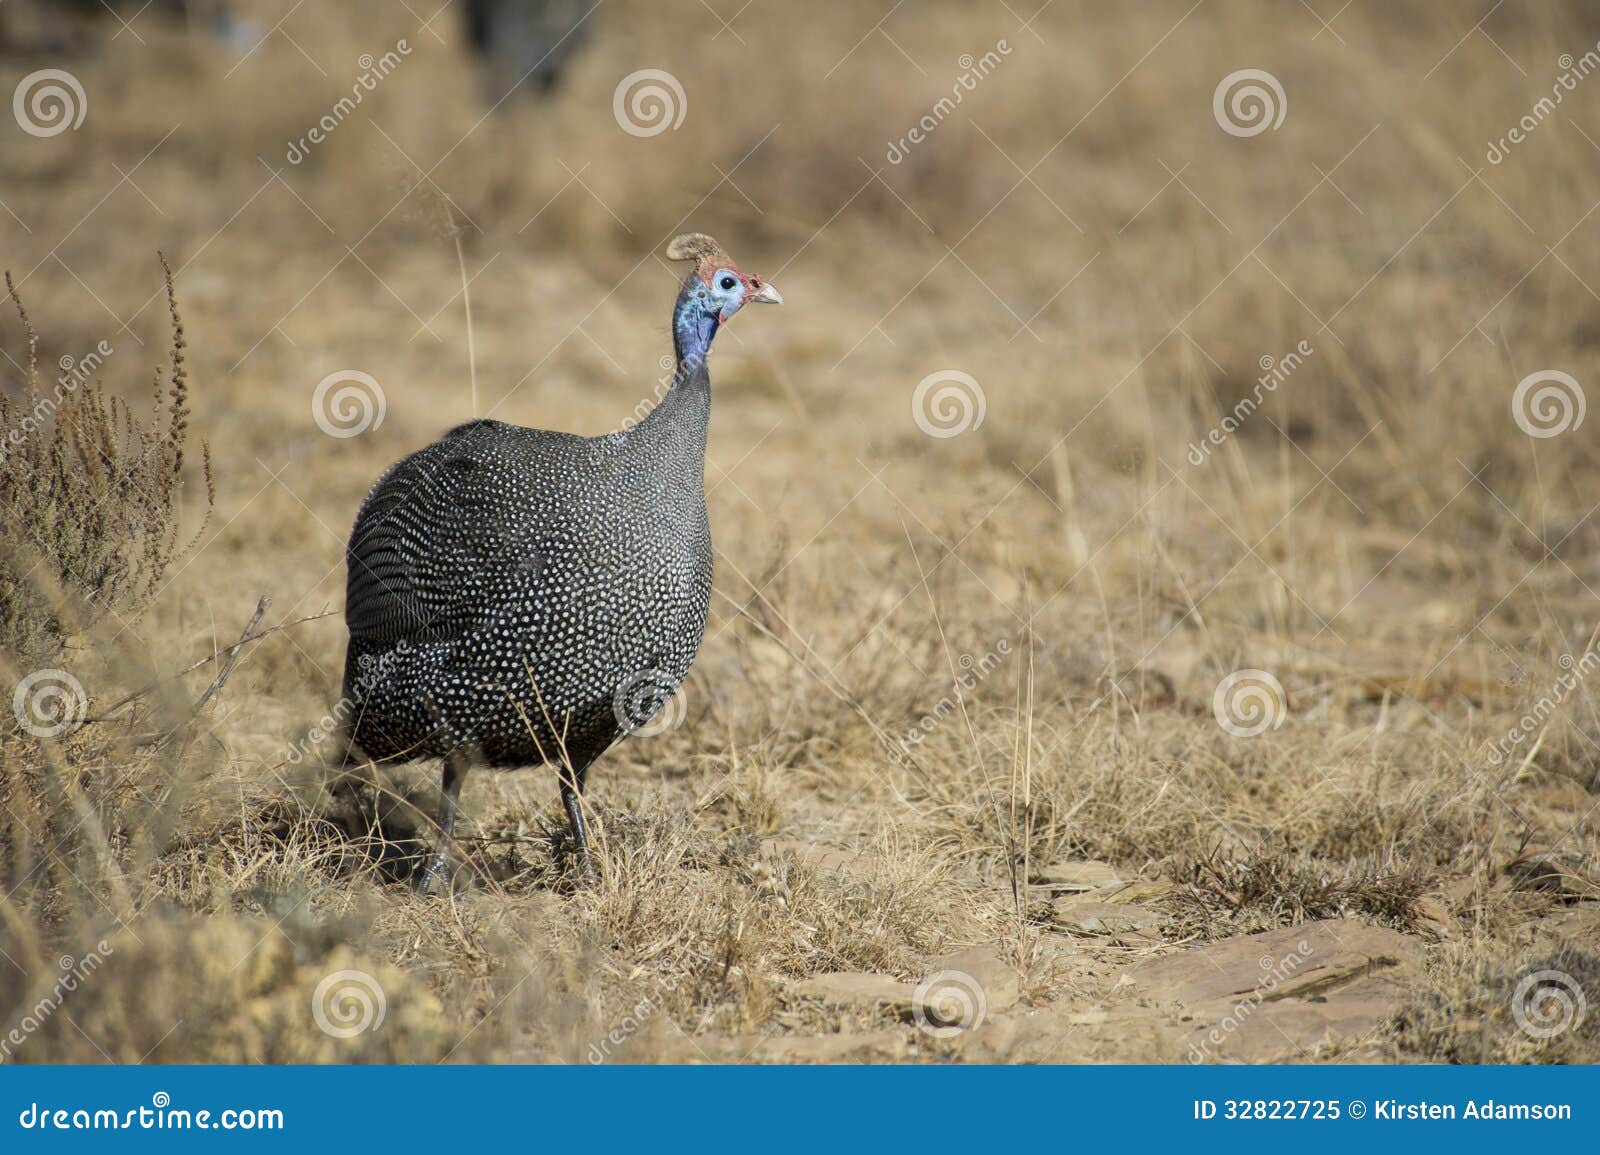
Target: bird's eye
728	282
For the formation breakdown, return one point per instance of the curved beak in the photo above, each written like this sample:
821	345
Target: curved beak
766	295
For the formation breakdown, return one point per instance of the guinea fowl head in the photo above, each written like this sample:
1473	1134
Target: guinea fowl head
715	287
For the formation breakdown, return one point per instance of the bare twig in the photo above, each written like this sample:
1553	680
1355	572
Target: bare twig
225	653
233	653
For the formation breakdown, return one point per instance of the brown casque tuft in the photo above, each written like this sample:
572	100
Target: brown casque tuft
707	254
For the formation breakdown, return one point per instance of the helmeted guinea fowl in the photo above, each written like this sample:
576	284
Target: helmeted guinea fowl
518	596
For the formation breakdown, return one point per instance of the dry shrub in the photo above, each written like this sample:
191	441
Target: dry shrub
1467	1010
249	987
91	496
1276	887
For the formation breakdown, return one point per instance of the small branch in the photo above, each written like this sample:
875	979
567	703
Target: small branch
233	653
226	654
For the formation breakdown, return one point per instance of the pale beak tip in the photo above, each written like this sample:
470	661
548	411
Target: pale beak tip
767	295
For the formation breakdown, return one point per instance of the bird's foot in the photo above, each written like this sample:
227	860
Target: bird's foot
436	879
577	869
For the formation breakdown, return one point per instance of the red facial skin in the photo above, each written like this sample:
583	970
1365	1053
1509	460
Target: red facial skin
752	282
756	291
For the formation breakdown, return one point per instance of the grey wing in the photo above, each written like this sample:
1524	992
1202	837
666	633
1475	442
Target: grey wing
433	554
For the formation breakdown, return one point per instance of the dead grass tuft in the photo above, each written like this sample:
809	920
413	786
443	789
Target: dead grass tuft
1467	1013
1278	887
92	493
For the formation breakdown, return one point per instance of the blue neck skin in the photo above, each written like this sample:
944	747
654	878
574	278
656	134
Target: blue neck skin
692	331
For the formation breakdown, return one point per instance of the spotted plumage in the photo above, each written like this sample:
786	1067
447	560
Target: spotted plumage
518	596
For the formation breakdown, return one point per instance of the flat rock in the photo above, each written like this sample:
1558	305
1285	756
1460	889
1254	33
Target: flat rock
959	978
860	989
997	1040
872	1046
1133	892
1044	1036
1275	1032
1092	916
876	1046
999	980
1300	961
1076	877
1283	994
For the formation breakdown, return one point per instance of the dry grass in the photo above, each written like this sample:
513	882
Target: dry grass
94	490
1414	569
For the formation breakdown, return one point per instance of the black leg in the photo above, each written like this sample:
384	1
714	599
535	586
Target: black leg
572	799
436	879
